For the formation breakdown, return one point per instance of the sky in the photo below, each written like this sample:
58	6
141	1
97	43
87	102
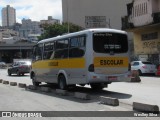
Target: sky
35	10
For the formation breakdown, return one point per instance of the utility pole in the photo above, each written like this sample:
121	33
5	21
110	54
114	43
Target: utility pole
68	16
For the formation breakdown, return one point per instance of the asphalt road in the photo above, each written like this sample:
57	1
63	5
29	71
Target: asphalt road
19	99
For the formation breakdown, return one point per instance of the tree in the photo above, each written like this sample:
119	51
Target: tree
58	29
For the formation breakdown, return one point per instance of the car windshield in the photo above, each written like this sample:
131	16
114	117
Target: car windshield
25	63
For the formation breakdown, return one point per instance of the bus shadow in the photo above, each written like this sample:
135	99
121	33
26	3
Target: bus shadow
94	94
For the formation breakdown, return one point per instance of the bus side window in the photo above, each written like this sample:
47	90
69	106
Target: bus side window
76	52
61	51
37	52
34	53
77	47
49	49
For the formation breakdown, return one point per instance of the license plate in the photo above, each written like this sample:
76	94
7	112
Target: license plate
112	78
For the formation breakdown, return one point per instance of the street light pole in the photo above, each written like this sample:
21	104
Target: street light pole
67	16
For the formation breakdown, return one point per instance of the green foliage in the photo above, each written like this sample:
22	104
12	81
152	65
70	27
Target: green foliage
58	29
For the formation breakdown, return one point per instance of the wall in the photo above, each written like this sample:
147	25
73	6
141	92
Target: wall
147	46
75	11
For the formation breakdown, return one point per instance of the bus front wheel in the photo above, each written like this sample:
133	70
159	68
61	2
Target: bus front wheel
62	82
34	80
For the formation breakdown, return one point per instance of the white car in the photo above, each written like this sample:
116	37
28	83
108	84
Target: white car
143	67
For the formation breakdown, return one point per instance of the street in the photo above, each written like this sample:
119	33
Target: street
14	98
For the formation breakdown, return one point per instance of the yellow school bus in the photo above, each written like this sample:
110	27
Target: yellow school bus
96	57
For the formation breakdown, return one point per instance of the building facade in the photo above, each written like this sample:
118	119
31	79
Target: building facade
94	13
8	16
8	36
143	20
50	21
29	28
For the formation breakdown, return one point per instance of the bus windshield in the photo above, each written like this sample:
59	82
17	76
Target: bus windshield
110	43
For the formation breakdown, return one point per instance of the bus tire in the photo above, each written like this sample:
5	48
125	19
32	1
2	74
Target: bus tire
96	86
34	80
62	82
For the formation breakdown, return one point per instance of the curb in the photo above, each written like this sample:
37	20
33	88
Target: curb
13	83
45	89
83	96
21	85
145	107
1	80
135	76
5	82
109	101
61	92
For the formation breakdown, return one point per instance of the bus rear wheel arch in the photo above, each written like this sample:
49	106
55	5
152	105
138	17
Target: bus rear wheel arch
62	82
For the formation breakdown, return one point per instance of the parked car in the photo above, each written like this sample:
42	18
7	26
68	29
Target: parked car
143	67
19	68
3	64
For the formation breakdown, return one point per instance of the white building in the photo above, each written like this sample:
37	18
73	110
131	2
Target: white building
8	16
94	13
50	21
142	12
143	20
30	27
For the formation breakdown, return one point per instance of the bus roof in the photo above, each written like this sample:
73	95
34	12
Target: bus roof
83	32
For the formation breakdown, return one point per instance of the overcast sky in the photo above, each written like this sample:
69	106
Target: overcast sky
35	10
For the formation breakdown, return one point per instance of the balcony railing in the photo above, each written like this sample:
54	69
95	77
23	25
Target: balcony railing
125	23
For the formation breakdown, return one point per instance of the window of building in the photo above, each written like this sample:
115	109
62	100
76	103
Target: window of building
133	11
149	36
146	8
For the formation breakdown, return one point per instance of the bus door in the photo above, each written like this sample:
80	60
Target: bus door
77	60
37	61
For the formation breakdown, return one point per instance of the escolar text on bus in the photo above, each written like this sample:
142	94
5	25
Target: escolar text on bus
111	62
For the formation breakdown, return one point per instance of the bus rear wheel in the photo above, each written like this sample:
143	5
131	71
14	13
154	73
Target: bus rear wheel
62	82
